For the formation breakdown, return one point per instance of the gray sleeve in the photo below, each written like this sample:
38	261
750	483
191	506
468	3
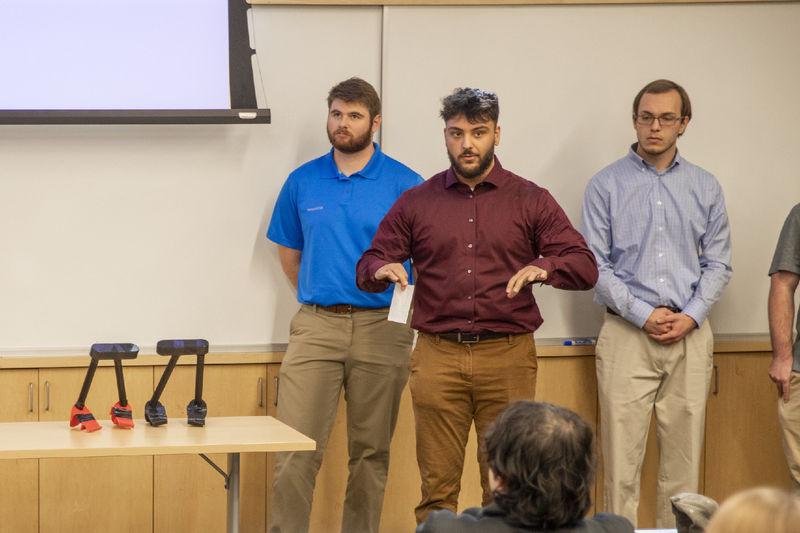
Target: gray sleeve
787	252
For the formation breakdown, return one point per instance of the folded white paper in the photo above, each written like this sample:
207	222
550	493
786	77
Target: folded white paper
401	303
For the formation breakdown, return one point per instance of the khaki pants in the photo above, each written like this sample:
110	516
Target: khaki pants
635	376
789	415
451	385
368	356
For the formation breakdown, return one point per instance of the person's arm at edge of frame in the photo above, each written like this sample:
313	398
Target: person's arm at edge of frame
290	263
382	264
780	307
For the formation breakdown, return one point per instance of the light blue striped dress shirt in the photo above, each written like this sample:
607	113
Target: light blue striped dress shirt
661	239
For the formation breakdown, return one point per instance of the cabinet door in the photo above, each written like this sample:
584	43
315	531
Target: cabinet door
743	437
19	478
96	494
190	496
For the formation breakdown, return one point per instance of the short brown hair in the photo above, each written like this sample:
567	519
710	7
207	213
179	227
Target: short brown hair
356	90
664	86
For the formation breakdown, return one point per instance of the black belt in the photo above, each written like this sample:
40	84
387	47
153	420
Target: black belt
670	307
342	309
471	338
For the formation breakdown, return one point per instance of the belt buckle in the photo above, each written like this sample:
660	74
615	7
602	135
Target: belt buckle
346	309
468	338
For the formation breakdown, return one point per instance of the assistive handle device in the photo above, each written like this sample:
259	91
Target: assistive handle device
154	411
121	413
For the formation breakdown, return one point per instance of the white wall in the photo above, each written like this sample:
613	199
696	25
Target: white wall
135	233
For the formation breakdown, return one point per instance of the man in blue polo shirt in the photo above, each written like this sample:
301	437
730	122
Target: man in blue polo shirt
324	219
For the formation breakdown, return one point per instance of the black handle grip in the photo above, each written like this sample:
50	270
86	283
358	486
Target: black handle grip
125	350
182	347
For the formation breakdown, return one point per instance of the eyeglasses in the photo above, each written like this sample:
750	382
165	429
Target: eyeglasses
646	119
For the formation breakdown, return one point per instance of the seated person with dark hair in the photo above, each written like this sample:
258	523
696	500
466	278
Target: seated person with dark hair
541	461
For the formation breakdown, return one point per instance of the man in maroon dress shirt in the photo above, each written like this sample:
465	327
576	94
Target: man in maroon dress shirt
477	234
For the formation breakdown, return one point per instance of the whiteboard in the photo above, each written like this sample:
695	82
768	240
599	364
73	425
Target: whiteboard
137	233
566	77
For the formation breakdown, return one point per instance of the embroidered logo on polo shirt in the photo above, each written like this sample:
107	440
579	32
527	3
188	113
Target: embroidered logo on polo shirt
317	208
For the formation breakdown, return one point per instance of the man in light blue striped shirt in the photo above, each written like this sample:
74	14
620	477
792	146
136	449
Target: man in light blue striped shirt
658	227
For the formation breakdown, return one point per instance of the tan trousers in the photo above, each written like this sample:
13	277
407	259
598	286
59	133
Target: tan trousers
453	385
789	415
368	356
636	376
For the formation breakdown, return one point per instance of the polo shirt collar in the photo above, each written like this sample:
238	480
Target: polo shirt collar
636	158
371	170
497	176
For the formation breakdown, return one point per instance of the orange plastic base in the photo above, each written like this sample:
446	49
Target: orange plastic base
122	416
85	418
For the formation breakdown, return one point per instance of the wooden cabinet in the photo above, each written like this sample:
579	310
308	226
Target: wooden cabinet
98	494
189	495
176	494
19	481
743	438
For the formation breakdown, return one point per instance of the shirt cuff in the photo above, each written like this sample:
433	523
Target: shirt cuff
638	313
546	265
697	310
368	282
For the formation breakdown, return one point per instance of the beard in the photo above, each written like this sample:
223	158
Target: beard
474	172
351	144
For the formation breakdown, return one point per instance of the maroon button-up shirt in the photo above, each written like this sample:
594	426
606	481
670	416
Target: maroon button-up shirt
466	245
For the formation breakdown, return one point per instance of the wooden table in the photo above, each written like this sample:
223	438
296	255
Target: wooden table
231	435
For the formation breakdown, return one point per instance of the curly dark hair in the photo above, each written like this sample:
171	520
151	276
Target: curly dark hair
476	105
544	455
359	91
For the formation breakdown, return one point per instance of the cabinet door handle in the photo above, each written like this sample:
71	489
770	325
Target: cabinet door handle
261	392
46	395
277	384
30	397
716	380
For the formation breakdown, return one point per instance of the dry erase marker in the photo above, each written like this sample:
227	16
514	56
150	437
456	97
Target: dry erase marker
583	341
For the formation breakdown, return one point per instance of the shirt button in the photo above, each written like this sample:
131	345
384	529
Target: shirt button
660	255
469	245
658	202
469	321
661	280
471	196
472	220
469	297
660	228
469	271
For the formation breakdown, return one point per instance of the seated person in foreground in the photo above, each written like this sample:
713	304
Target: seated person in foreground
541	467
758	510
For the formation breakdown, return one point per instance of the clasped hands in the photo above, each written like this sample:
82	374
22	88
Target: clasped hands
395	273
667	327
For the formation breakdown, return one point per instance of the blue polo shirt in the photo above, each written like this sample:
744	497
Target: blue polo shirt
332	219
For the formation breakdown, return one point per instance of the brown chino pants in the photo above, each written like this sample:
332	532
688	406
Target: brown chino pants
452	385
368	356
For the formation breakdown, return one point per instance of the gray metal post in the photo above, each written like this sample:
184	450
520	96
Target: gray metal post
233	493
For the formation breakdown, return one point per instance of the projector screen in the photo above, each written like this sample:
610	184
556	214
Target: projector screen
127	61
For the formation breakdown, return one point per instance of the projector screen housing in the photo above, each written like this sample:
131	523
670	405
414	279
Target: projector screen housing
128	62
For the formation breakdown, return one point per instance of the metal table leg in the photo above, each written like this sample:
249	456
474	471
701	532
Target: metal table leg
231	486
233	492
